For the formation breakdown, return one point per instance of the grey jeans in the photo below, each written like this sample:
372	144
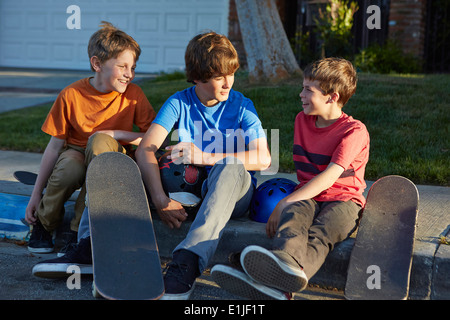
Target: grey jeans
308	230
227	194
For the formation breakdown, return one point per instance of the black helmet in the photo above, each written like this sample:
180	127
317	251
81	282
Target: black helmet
181	177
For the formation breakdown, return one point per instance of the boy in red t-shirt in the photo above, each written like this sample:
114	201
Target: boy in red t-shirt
90	116
330	153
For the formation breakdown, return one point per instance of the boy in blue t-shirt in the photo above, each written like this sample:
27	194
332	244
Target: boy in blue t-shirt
218	128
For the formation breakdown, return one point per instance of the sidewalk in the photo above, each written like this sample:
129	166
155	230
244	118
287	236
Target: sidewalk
20	88
430	278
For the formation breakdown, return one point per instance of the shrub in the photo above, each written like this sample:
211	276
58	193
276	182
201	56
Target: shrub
388	58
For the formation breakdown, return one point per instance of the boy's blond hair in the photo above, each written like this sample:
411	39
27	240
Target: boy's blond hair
108	42
210	54
334	75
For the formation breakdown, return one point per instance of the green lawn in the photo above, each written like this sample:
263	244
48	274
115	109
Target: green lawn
407	117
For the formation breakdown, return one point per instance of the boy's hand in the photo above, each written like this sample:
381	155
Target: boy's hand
186	152
274	220
172	213
30	211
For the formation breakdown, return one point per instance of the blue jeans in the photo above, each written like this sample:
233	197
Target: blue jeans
226	194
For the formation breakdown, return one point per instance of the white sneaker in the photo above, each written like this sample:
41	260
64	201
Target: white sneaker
273	269
240	284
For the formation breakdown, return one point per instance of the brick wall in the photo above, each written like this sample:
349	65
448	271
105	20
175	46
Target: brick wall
407	25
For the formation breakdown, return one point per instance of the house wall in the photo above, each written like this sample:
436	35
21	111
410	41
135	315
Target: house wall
407	25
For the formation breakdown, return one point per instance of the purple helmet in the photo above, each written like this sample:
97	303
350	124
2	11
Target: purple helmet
267	196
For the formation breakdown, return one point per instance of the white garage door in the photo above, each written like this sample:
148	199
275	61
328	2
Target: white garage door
34	33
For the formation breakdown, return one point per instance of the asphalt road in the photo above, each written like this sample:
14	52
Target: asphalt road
17	282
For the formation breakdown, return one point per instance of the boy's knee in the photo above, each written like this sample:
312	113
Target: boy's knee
227	170
101	142
230	164
299	210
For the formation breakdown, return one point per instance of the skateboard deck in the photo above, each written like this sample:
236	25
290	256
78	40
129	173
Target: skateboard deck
380	262
26	177
125	256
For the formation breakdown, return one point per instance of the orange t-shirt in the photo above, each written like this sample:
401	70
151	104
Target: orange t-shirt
80	110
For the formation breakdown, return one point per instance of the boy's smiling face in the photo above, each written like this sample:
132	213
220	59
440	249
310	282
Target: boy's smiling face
215	90
316	103
114	74
313	99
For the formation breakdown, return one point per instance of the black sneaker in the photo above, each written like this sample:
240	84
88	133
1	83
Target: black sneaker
71	240
240	284
179	280
79	255
40	239
275	269
234	259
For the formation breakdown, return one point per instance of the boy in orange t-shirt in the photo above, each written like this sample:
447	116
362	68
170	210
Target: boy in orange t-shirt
91	116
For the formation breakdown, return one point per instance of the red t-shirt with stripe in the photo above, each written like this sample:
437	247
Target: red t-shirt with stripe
346	142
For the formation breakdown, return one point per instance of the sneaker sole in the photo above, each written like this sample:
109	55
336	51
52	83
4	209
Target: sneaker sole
40	250
240	284
263	266
178	296
59	270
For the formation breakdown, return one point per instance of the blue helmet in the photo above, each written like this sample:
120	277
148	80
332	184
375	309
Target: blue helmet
267	196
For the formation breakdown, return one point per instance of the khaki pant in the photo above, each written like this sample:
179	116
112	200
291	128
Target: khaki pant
68	175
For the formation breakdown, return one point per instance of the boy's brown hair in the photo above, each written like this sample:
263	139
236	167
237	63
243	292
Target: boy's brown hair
334	75
210	54
108	42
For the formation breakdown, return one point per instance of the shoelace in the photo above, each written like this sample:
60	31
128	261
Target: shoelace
69	247
177	271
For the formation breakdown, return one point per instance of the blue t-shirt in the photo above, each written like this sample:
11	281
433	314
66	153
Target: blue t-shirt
227	127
